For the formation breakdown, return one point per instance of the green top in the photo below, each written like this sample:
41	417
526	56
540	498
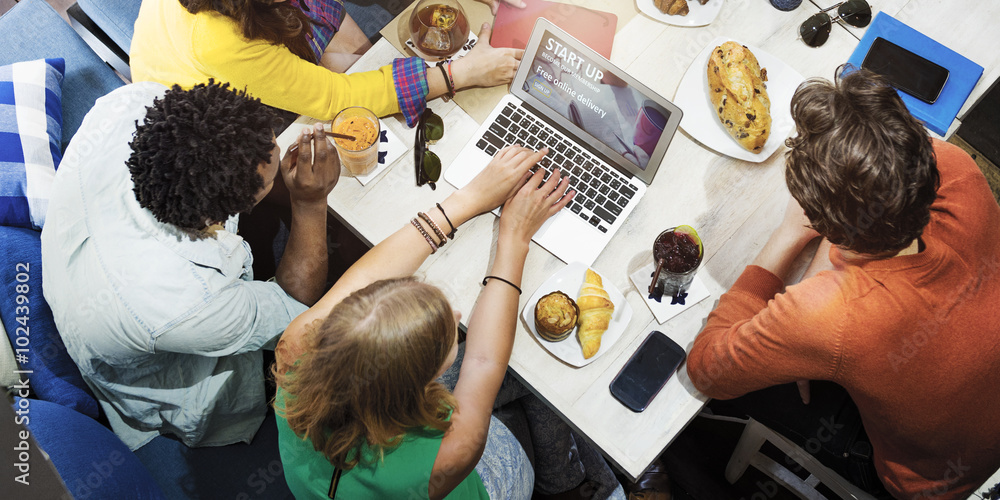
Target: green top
404	472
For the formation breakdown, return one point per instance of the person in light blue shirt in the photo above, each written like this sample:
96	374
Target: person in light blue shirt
150	287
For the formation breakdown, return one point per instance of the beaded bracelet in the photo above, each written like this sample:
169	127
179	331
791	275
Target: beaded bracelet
437	229
505	281
453	228
423	231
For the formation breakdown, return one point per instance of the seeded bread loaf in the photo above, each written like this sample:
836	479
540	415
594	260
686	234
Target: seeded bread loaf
737	90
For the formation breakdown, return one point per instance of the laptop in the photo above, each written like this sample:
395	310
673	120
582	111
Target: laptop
605	130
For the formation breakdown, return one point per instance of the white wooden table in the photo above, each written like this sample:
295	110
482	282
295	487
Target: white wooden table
733	204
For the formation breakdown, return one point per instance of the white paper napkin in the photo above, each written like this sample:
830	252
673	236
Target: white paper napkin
390	148
664	310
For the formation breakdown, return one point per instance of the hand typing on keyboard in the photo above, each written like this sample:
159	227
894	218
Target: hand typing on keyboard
602	191
503	176
533	204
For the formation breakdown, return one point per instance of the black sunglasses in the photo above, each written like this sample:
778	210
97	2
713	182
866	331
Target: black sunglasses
430	129
816	30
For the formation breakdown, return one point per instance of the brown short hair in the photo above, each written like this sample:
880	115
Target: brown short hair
861	166
368	375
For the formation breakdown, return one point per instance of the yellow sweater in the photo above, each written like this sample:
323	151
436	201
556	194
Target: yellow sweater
173	46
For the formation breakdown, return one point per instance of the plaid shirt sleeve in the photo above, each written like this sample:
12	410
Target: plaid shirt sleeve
410	77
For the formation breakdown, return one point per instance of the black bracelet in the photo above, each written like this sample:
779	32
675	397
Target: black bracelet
505	281
447	82
453	228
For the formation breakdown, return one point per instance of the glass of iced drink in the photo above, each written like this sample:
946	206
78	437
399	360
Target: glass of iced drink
438	28
678	253
359	156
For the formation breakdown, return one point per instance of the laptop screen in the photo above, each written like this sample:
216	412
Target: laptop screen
594	97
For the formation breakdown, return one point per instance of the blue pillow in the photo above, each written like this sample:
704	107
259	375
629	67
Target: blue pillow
30	138
90	459
32	332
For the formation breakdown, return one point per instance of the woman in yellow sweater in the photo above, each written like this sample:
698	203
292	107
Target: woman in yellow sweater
282	52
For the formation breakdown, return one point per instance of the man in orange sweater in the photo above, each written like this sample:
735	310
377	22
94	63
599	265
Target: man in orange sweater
901	304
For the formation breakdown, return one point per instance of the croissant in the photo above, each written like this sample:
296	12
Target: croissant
595	313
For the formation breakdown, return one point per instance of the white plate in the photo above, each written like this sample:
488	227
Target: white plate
568	280
702	123
699	15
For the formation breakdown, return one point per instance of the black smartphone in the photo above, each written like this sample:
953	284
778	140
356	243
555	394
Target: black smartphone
905	70
647	371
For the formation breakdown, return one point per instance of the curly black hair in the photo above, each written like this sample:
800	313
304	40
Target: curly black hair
195	156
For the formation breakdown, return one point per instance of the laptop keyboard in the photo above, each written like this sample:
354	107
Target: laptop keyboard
601	191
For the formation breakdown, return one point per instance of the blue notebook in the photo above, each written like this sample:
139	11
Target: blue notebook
964	74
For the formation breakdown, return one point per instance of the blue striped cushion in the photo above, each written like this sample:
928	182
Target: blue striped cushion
30	135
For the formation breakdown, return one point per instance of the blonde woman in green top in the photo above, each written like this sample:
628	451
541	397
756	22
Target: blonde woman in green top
359	412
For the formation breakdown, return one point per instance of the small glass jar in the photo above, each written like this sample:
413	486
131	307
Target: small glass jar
678	253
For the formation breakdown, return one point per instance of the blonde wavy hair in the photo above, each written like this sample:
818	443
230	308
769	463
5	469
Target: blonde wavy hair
368	373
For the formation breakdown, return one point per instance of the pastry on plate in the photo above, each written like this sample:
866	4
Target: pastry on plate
596	309
675	7
737	89
555	316
672	7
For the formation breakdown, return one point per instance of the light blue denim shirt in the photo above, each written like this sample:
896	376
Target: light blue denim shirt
166	327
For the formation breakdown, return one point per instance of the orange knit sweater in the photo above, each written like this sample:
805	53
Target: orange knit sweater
914	339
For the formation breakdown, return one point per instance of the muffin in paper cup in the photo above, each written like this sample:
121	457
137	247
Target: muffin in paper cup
556	315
